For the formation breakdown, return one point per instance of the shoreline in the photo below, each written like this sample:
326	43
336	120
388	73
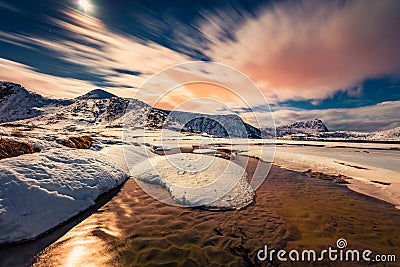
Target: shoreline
357	185
379	183
366	169
363	186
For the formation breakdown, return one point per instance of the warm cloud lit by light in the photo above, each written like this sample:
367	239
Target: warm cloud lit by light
203	97
80	20
44	84
116	51
202	87
312	49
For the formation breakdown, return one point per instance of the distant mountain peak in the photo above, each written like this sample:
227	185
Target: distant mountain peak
10	88
96	94
302	127
18	103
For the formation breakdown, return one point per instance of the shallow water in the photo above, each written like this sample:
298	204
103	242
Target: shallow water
290	211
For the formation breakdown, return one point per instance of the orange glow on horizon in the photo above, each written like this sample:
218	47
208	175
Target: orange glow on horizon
187	95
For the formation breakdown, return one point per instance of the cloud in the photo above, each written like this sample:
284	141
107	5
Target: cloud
200	97
369	118
9	6
312	49
119	61
305	50
204	87
44	84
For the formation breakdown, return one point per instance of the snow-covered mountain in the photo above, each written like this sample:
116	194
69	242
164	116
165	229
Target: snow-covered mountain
316	130
17	103
85	113
99	108
386	135
313	127
113	112
216	125
96	94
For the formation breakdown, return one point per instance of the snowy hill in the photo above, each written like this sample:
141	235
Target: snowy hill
391	134
17	103
140	114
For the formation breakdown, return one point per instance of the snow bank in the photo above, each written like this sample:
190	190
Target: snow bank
198	180
40	191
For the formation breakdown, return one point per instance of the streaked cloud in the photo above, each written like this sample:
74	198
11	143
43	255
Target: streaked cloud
202	87
312	49
9	6
304	54
44	84
119	60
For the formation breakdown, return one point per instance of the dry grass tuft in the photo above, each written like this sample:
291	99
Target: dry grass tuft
10	148
17	133
80	142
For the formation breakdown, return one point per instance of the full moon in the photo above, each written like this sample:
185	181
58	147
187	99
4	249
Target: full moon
85	5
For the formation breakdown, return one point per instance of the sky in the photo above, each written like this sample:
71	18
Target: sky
338	61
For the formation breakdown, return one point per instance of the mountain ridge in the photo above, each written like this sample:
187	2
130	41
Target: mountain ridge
99	108
302	127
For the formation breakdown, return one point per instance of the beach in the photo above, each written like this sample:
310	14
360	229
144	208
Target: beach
291	211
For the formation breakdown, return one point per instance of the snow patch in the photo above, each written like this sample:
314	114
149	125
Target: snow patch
40	191
198	180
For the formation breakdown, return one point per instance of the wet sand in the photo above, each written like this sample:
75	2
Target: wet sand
291	211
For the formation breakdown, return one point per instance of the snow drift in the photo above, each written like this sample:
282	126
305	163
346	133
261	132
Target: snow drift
198	180
39	191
